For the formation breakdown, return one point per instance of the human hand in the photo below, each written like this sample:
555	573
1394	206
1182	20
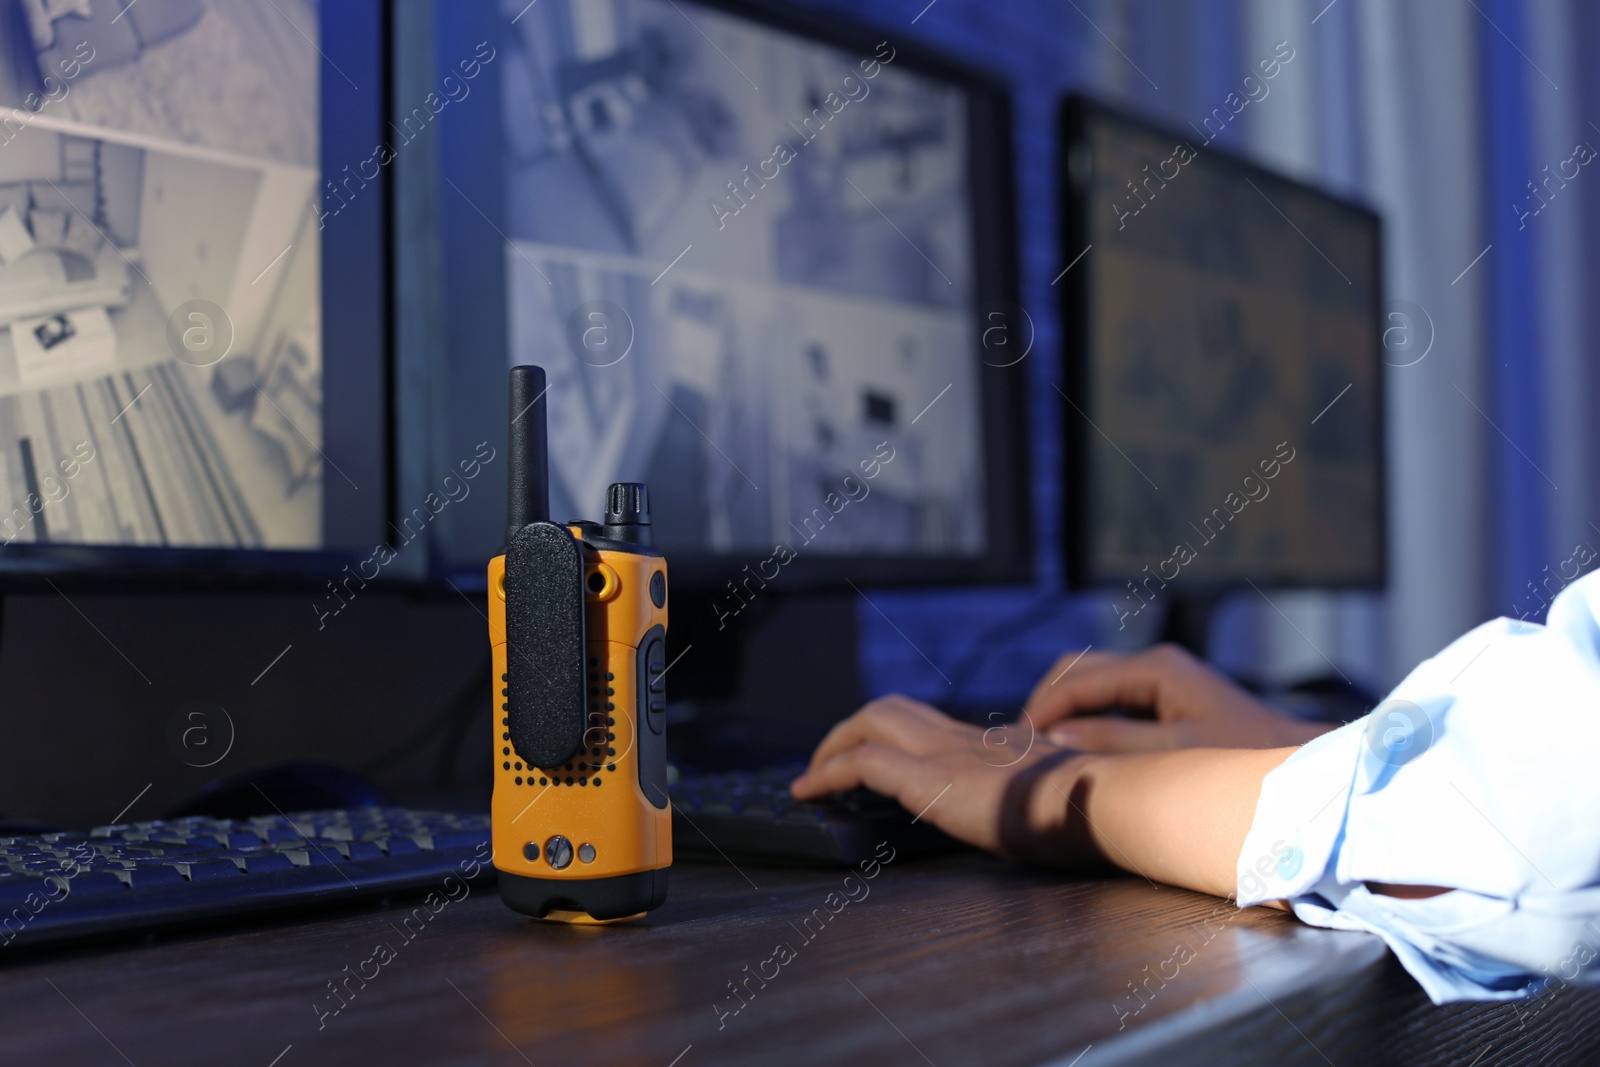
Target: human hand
1176	817
1193	706
1005	789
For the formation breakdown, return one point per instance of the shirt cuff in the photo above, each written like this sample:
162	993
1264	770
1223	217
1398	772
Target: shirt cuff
1453	944
1299	818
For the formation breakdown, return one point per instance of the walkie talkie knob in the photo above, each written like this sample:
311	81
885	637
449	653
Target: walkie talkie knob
627	516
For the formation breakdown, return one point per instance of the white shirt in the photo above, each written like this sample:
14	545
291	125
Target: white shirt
1480	772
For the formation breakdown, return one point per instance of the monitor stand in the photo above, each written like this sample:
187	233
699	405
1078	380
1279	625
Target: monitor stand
1188	619
763	686
1326	698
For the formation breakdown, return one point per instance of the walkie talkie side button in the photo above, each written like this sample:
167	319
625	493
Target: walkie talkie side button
655	667
651	713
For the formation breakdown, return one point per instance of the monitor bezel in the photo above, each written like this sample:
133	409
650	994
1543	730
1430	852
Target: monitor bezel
1008	558
1075	112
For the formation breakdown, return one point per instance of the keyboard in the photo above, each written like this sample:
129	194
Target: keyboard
144	875
750	817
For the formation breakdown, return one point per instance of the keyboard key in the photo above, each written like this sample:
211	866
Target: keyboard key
460	839
213	869
95	882
267	862
156	875
311	857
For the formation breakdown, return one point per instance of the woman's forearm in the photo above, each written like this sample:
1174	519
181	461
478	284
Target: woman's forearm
1176	817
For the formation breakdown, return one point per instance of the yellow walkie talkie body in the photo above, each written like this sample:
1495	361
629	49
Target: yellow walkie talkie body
581	823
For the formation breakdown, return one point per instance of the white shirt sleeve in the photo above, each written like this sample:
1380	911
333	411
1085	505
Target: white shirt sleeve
1477	773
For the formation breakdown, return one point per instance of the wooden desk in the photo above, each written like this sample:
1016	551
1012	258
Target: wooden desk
965	960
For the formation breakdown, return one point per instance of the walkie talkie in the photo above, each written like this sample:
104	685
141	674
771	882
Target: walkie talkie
582	827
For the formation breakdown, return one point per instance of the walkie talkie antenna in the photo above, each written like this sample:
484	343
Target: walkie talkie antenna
528	454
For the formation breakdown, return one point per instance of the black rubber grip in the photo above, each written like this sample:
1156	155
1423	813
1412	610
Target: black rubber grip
616	897
545	705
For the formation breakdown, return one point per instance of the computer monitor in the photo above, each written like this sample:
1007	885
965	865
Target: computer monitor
766	258
1222	396
193	292
757	252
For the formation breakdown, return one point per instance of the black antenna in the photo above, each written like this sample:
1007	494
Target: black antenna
528	455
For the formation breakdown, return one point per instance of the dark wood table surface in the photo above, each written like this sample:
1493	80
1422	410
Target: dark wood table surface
962	960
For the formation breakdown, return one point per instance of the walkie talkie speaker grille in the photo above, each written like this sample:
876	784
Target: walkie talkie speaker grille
545	702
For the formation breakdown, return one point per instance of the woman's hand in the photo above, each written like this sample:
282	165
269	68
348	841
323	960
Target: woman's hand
1004	789
1192	705
1176	817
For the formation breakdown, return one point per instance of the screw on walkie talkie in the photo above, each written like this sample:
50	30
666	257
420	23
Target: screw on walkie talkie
627	516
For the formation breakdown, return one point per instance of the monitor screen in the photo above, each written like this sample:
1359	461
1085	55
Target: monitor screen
162	224
135	203
748	259
1223	389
